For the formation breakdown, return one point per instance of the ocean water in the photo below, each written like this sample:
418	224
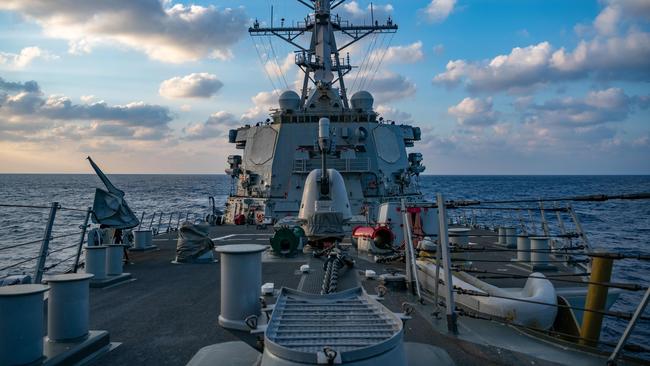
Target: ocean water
622	226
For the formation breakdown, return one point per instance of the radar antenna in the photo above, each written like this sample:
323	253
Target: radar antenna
321	60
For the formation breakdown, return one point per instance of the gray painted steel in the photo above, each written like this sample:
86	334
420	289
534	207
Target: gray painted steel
539	251
523	247
114	259
96	261
459	235
511	237
241	279
21	324
358	329
67	309
142	239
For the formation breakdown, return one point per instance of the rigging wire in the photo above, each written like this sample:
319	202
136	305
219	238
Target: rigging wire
381	60
275	90
364	62
373	58
277	64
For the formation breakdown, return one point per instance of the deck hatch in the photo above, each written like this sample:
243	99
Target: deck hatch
349	322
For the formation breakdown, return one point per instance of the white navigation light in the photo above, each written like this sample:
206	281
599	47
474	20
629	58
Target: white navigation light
362	100
289	101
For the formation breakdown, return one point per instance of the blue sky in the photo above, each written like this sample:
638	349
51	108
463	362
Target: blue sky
498	87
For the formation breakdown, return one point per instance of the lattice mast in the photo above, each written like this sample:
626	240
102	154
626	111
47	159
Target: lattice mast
321	62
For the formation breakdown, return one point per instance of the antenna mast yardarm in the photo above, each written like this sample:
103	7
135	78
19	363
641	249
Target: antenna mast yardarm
321	60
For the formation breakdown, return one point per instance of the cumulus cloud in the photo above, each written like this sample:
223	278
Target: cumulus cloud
401	54
387	86
614	58
618	49
28	86
281	68
354	13
394	114
26	56
439	10
196	85
165	31
215	126
474	112
262	103
27	111
596	108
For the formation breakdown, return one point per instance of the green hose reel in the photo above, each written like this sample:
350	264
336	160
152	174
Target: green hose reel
285	241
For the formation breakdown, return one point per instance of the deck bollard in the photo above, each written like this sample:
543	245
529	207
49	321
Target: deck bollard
511	237
142	239
241	279
21	324
67	309
523	248
96	261
459	236
502	235
114	259
540	251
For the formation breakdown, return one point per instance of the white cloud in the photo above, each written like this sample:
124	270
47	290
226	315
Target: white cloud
195	85
401	54
387	86
596	108
281	68
26	56
608	19
393	114
474	112
165	31
215	126
262	103
351	11
618	57
26	111
439	10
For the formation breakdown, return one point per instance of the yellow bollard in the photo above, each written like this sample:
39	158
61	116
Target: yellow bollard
601	271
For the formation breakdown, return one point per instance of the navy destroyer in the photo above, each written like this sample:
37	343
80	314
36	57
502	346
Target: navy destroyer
370	152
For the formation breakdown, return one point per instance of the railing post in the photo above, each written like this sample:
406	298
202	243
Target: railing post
81	239
169	223
630	326
152	218
178	221
141	219
159	222
452	325
411	267
38	273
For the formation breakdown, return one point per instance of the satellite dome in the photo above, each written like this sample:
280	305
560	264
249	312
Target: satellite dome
289	101
362	100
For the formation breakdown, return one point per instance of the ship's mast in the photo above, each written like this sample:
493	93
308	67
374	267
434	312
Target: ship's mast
321	61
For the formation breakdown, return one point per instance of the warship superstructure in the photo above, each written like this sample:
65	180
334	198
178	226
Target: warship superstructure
280	152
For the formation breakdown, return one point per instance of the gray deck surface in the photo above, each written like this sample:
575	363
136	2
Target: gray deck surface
170	311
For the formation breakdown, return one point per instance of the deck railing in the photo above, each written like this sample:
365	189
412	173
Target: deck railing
59	248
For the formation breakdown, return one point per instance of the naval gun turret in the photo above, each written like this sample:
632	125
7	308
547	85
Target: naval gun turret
325	207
